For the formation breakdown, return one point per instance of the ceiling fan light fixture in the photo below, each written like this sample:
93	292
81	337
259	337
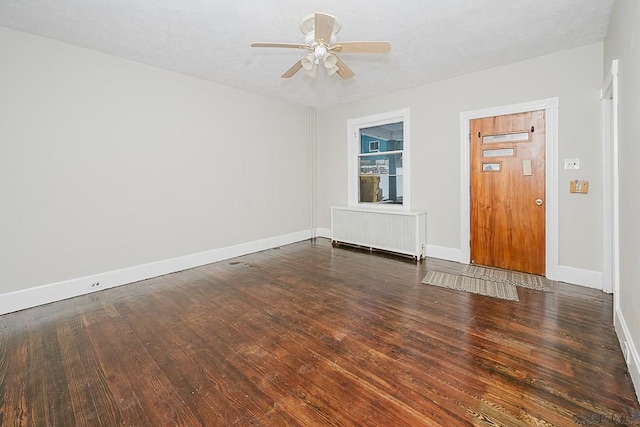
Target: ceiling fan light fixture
312	71
308	62
330	61
320	51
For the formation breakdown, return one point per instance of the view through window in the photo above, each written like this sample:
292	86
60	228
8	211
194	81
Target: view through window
380	164
379	175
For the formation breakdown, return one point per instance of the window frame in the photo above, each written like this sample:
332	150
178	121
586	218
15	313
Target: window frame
353	137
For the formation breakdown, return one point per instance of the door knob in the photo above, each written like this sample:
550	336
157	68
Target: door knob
539	202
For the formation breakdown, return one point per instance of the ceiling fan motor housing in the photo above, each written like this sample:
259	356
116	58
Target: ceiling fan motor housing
310	39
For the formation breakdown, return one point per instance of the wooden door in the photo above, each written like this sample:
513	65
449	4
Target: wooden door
508	192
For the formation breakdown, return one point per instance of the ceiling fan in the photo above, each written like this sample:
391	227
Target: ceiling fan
320	30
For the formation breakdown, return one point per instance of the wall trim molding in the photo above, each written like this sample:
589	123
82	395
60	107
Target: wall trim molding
574	276
610	185
633	360
45	294
441	252
324	232
578	276
52	292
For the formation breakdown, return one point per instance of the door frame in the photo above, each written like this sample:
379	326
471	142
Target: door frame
550	105
610	185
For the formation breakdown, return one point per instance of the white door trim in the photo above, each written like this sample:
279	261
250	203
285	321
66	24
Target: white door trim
610	185
550	106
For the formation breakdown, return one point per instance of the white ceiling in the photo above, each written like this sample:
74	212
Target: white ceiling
432	39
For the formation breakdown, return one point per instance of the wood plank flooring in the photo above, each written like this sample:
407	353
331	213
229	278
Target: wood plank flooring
311	335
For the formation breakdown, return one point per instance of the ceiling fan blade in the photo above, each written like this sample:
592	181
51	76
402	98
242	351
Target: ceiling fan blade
323	27
362	47
291	71
343	70
287	45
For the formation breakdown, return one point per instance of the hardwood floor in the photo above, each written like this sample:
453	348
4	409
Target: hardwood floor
308	335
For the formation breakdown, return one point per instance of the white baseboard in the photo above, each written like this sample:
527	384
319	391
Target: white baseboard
45	294
323	232
633	359
577	276
440	252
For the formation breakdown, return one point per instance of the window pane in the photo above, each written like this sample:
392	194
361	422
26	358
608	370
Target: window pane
381	178
499	152
507	137
377	162
491	167
382	138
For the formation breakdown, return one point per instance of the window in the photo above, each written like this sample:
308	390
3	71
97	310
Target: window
378	161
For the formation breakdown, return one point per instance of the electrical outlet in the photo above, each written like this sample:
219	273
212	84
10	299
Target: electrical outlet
572	164
94	285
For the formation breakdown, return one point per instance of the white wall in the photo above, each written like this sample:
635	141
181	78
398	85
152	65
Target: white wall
574	76
622	43
107	164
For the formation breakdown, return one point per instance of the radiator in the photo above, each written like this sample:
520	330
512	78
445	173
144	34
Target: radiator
402	232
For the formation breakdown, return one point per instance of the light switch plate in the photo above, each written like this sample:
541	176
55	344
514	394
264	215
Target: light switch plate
572	163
